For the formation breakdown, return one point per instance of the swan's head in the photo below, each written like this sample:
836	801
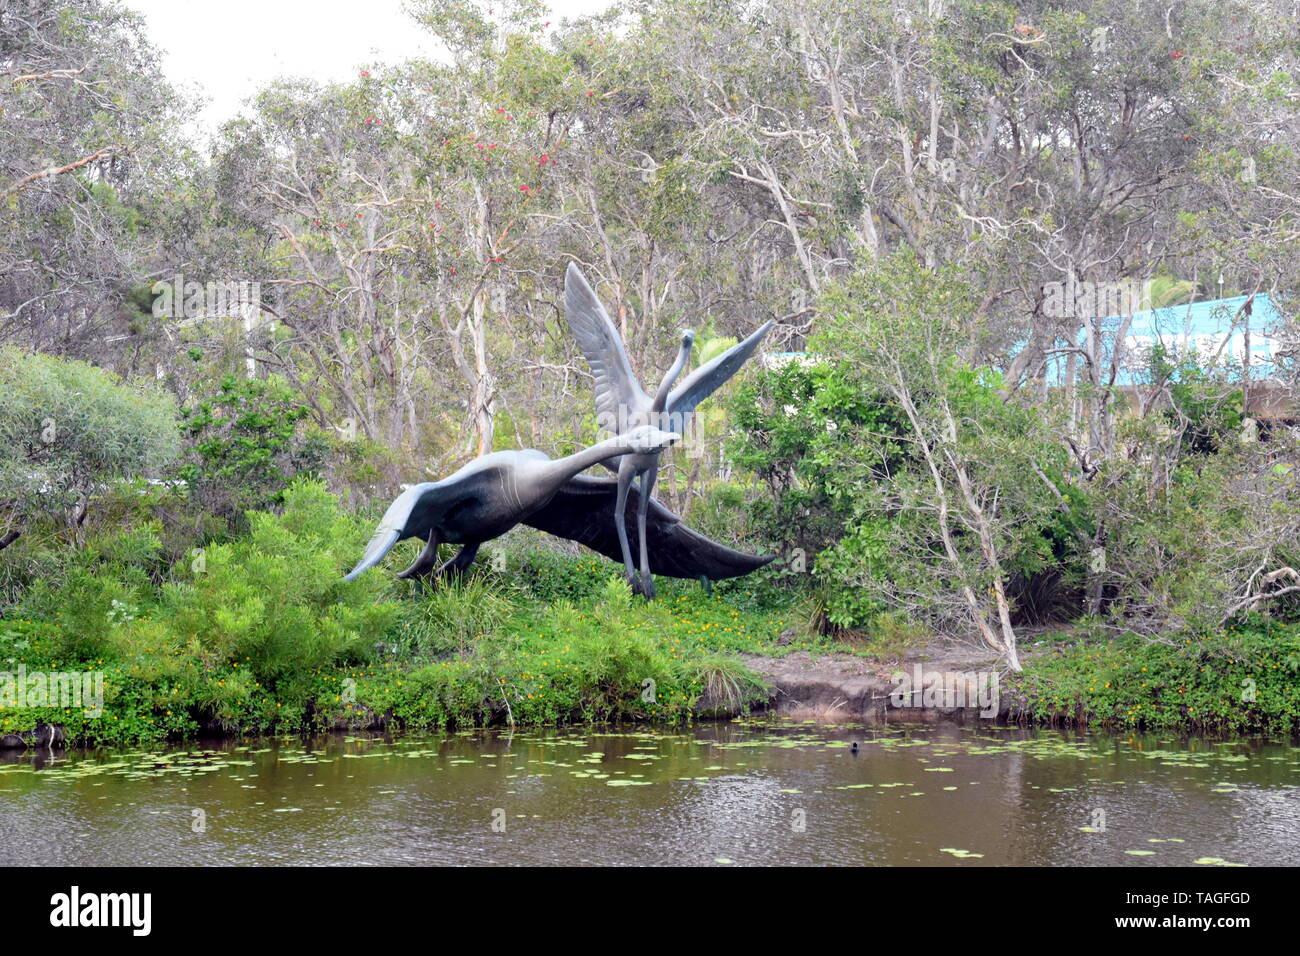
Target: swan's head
395	525
646	438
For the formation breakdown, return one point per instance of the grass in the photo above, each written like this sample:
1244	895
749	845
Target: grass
264	636
596	653
728	685
1241	680
267	638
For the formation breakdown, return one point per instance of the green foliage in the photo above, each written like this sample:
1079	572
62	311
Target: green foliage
846	597
66	429
547	575
803	431
1202	413
246	443
603	656
261	633
239	633
721	513
274	601
729	685
452	619
896	467
973	503
1241	680
1191	535
799	426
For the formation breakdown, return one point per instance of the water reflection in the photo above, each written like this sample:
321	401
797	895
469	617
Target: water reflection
733	793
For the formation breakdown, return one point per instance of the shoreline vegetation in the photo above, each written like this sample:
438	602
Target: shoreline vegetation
1031	379
262	635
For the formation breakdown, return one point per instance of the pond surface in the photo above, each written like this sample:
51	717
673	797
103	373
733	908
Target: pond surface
738	793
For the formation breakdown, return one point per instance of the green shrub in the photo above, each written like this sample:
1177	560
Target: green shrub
246	444
66	429
275	601
547	575
84	607
1241	680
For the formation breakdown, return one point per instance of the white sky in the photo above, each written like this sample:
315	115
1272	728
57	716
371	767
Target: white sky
229	49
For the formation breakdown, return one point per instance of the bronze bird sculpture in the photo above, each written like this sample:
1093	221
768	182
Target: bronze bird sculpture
623	405
486	498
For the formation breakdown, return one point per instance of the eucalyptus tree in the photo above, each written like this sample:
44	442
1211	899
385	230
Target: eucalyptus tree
962	508
90	160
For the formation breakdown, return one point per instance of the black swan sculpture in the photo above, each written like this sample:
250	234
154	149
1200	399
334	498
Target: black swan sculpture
583	510
495	492
486	498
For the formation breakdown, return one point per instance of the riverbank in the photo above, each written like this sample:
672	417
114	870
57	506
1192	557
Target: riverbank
262	635
1240	681
694	656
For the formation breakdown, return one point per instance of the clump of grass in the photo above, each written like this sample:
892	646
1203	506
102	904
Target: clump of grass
727	685
452	617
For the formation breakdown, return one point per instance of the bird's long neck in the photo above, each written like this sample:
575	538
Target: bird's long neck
661	396
580	461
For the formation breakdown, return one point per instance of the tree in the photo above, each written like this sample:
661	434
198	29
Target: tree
90	172
246	444
66	430
963	509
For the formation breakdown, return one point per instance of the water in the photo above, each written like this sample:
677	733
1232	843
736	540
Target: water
738	793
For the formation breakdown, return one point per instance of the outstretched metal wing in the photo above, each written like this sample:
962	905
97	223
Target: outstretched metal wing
583	511
706	379
616	385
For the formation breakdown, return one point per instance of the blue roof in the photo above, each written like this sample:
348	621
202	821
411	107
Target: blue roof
1213	331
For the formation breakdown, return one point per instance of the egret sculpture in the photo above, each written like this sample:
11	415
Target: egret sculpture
486	498
622	404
